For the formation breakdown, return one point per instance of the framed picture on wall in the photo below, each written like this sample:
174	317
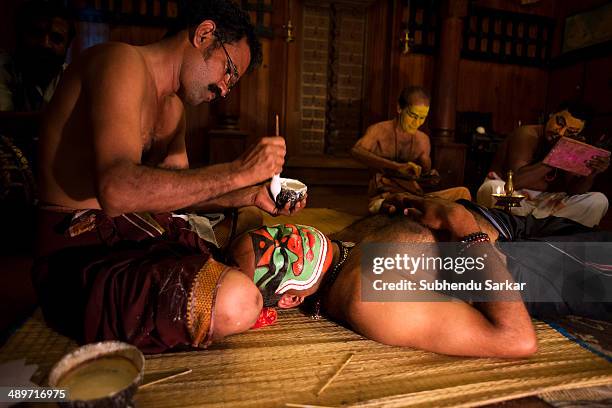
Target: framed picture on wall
587	29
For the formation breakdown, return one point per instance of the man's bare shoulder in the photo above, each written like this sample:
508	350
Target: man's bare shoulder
119	62
422	137
381	129
526	134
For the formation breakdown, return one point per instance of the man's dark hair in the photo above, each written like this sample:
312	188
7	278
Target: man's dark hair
410	92
577	109
33	10
232	23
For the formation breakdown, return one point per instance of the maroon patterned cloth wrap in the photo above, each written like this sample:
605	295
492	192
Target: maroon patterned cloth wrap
131	278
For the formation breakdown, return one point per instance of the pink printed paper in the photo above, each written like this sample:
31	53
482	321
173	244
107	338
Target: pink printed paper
571	155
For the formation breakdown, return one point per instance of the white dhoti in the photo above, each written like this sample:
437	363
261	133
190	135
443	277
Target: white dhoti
587	209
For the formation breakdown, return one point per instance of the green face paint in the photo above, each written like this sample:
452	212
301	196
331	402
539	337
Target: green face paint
289	257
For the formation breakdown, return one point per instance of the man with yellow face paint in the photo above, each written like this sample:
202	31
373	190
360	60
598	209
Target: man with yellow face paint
398	153
550	191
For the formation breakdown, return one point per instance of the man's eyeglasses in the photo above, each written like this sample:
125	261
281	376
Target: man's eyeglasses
231	71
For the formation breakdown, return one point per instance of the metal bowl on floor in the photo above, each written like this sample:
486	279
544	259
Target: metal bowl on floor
99	375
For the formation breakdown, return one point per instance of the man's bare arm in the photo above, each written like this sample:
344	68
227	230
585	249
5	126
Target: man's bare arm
234	199
365	148
521	149
424	158
582	184
372	160
116	92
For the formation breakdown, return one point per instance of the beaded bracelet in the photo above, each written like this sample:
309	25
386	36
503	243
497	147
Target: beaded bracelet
471	239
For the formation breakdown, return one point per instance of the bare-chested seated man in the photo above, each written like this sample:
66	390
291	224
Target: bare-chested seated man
398	153
113	259
285	262
549	191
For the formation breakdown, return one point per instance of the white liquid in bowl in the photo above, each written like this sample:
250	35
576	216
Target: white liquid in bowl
98	378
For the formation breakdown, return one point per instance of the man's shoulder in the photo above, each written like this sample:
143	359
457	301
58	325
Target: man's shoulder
526	135
113	55
381	128
528	132
118	62
422	136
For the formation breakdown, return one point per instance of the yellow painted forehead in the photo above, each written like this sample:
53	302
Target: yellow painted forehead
419	110
570	121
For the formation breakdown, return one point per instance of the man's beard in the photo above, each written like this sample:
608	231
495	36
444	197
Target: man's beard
215	90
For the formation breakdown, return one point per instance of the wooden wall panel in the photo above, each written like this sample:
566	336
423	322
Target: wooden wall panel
8	10
293	91
136	35
414	70
379	47
510	92
542	8
198	124
564	83
598	83
255	98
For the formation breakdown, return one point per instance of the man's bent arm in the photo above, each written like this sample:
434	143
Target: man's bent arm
522	147
446	327
129	187
374	161
235	199
532	177
365	147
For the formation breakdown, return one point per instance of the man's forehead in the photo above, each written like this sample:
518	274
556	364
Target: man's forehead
421	110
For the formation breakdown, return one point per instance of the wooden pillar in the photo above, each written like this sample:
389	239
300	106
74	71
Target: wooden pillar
449	157
444	93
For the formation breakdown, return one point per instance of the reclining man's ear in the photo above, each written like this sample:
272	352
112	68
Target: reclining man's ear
288	301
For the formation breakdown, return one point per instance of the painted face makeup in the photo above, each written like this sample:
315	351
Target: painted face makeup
563	124
289	257
412	117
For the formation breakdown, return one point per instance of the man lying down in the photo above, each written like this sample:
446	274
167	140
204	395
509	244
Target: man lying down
274	256
175	295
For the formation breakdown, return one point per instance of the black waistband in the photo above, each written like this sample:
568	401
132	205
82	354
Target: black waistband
493	216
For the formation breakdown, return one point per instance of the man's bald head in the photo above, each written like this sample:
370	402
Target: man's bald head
413	95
